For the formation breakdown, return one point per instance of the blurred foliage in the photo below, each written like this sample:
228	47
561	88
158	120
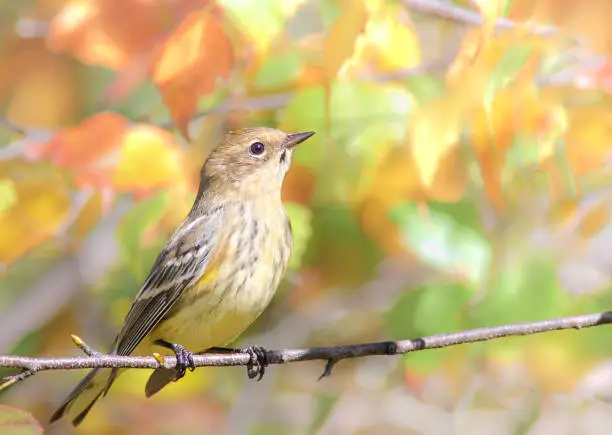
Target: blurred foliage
18	422
471	152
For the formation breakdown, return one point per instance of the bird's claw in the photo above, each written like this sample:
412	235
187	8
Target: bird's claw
258	361
184	358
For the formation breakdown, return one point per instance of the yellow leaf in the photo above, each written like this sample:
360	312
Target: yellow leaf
148	159
557	123
40	209
392	44
340	44
491	10
261	21
435	131
8	195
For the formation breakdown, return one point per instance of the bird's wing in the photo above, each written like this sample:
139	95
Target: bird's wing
181	263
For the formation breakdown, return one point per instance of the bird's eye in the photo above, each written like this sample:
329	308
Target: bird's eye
257	149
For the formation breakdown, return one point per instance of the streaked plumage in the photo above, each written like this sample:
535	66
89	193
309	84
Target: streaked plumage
220	268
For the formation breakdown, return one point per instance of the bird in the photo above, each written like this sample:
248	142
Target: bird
216	273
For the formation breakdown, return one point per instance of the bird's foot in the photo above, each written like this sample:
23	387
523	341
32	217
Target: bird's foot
257	362
184	358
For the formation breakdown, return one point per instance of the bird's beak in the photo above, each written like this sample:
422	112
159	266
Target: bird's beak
297	138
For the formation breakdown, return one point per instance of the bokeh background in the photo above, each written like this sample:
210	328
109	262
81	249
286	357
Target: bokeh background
459	178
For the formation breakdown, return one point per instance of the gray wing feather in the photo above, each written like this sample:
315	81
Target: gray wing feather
182	262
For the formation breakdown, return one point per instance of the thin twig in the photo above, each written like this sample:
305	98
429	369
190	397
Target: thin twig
451	12
329	354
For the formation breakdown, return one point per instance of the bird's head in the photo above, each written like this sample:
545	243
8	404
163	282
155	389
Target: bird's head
252	160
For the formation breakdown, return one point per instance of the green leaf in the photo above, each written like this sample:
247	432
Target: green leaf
355	109
506	70
440	242
525	290
400	318
325	404
280	70
464	213
365	119
589	341
427	310
8	195
425	88
140	102
339	248
14	421
440	308
431	309
300	218
134	224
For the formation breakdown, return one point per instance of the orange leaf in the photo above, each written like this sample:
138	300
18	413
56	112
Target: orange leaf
113	32
491	167
192	58
74	147
340	44
564	211
78	29
148	159
594	221
36	86
450	179
587	141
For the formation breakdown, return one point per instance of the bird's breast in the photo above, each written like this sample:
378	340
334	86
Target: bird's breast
239	286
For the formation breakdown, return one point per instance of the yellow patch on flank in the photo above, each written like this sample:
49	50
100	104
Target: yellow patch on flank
208	277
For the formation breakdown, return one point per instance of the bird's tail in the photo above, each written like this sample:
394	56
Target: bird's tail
84	396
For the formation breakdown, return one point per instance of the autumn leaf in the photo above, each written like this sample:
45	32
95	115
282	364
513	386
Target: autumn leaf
594	221
435	131
491	10
148	158
36	87
105	33
191	60
340	43
587	140
39	207
261	21
113	32
82	144
388	43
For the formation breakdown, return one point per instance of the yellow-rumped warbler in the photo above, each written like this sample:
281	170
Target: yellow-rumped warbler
219	269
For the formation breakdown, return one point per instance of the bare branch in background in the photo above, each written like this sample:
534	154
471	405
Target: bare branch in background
332	355
451	12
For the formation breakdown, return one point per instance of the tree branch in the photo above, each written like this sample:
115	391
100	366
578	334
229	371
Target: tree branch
451	12
32	365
